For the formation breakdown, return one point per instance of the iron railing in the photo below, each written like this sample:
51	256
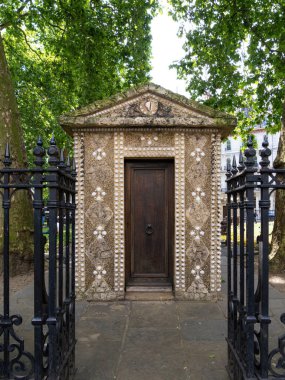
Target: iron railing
249	356
52	356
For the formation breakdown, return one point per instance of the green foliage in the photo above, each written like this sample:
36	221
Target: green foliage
66	53
235	56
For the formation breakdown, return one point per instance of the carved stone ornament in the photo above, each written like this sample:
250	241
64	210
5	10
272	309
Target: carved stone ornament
149	106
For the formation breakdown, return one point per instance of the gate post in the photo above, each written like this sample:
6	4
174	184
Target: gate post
72	294
234	207
264	204
6	320
241	306
250	153
52	183
39	289
229	268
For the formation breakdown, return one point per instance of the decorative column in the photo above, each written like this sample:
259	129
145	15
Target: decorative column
79	220
215	271
179	212
119	211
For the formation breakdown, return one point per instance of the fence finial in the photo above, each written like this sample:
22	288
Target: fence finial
53	153
234	166
68	166
265	152
39	153
61	164
249	153
73	172
7	156
229	168
241	162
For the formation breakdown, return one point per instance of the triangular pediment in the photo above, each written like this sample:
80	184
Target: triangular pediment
147	105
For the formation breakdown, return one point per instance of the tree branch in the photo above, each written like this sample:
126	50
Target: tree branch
260	37
20	17
52	25
254	30
28	43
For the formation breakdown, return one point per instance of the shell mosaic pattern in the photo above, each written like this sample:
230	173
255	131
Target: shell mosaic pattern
149	138
215	276
198	216
196	232
179	195
198	154
99	216
119	209
99	194
147	122
79	234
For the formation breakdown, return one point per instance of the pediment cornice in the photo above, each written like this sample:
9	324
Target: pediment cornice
148	105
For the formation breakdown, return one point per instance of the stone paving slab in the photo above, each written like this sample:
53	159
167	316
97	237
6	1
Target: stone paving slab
160	341
151	340
164	340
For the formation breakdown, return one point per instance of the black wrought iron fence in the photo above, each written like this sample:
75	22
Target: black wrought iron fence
249	356
52	356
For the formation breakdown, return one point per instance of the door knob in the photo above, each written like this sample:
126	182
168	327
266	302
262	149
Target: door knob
149	229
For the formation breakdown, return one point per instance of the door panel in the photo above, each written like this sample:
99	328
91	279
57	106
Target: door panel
149	221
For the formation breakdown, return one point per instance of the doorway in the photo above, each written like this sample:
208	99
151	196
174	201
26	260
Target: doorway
149	216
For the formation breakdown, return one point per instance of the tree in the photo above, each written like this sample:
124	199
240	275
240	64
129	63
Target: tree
21	225
235	54
65	54
58	55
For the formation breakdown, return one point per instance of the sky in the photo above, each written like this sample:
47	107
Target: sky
166	48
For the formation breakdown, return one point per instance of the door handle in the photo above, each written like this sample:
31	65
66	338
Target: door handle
149	229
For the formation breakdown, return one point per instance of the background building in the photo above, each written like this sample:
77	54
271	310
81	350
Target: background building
231	147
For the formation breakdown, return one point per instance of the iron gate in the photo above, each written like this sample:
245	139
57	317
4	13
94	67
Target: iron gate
248	273
52	356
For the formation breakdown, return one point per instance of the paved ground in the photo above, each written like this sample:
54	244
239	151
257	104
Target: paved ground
151	340
138	340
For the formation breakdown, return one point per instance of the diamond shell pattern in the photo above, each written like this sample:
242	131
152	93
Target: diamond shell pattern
196	248
99	217
198	217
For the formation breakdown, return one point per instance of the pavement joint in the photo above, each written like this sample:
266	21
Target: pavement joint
123	342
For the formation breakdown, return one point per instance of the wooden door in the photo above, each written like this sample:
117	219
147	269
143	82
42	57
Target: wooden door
149	199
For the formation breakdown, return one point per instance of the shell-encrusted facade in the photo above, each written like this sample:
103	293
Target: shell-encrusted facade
148	122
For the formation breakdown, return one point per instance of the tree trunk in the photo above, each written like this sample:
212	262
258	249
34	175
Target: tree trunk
21	212
277	254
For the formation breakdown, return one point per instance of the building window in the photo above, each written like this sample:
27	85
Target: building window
228	145
229	163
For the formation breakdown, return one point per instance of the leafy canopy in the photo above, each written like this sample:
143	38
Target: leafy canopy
66	53
235	56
